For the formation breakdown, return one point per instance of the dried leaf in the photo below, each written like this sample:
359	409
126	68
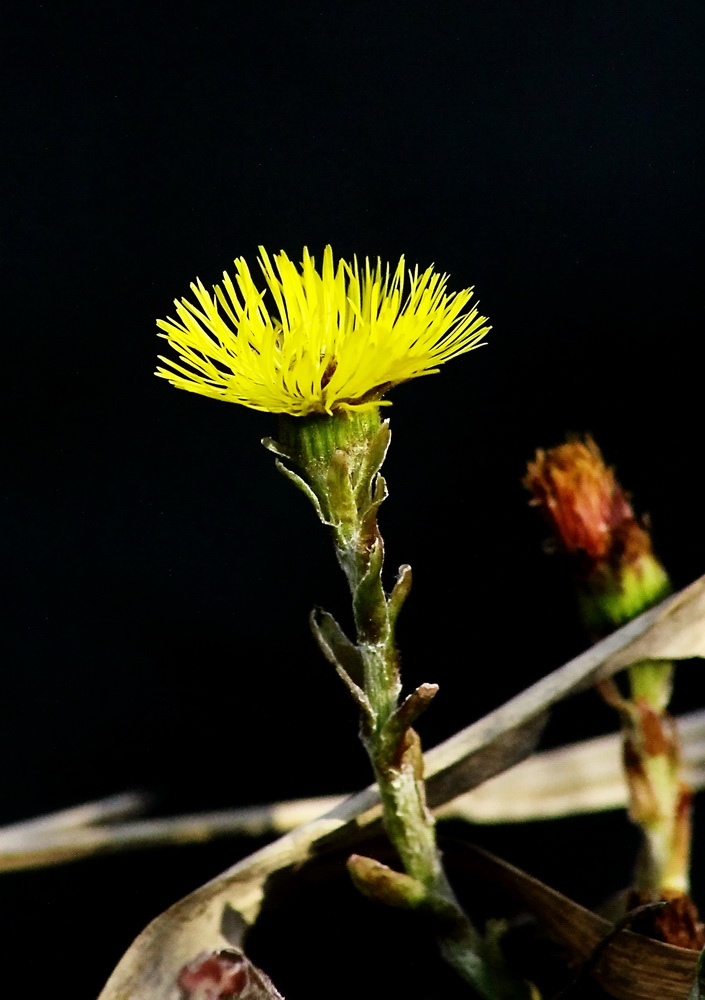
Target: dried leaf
149	969
698	989
628	965
582	777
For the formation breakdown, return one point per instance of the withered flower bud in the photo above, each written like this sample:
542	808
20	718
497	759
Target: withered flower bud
594	524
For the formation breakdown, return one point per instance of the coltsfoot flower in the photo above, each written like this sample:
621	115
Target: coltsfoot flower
593	523
587	508
337	339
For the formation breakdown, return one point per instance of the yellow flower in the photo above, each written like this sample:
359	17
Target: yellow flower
337	340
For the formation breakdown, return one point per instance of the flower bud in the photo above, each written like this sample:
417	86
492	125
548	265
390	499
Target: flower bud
593	523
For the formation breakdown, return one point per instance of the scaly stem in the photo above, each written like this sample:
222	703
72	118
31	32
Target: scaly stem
340	457
660	800
394	750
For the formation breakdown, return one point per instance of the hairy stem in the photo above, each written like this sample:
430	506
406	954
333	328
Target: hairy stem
341	457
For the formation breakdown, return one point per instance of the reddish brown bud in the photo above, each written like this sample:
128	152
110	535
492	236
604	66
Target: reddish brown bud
588	510
224	975
676	923
593	523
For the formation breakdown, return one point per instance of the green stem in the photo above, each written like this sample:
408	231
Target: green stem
659	800
341	457
395	756
659	797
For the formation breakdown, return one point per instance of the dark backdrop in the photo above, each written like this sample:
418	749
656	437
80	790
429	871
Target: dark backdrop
159	571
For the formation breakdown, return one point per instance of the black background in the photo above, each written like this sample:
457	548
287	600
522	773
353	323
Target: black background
159	571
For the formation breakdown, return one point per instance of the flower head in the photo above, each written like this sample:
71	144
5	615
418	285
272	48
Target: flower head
586	507
335	340
594	524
